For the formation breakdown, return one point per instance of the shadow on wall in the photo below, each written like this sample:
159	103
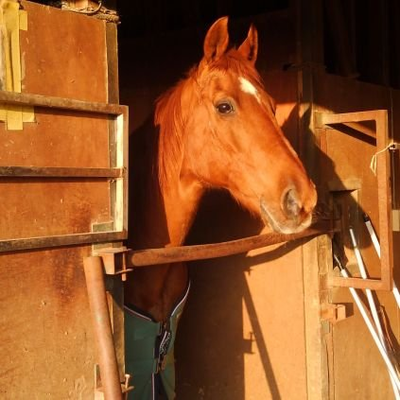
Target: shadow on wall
211	345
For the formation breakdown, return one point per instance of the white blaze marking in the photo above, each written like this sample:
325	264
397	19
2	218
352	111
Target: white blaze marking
249	88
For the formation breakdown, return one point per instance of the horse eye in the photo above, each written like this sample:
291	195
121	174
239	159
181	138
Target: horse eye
224	107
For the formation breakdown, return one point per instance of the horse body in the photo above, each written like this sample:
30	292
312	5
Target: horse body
217	130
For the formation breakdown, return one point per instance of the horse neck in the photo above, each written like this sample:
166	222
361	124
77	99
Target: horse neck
166	213
160	217
180	202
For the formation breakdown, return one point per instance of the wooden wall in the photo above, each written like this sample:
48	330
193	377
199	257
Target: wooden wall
47	348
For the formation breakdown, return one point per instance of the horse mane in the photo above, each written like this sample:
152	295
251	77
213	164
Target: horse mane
170	119
170	115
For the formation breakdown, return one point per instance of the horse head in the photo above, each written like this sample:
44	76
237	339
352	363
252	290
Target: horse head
218	130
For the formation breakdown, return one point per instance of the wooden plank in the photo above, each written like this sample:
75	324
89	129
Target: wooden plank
70	64
46	325
60	172
112	63
52	206
314	273
349	117
118	142
358	283
120	186
395	94
311	55
58	138
385	201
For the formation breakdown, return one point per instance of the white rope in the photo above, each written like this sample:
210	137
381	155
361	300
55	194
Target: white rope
391	146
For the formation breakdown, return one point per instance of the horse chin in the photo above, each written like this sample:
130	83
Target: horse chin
286	226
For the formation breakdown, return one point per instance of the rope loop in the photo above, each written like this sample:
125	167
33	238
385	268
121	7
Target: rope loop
391	146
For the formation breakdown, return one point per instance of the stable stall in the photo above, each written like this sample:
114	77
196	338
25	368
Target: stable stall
275	321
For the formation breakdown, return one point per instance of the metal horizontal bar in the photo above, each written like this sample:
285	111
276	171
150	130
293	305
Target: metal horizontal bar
200	252
44	242
61	103
62	172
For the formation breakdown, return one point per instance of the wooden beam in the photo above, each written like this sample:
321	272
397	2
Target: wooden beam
359	283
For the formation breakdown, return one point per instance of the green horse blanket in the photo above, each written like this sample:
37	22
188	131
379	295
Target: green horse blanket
149	352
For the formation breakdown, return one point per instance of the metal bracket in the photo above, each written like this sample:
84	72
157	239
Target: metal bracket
98	389
114	261
334	313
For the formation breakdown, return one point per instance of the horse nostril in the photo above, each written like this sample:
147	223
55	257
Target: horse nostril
291	203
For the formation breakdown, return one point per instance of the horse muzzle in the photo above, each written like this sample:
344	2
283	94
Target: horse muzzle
292	215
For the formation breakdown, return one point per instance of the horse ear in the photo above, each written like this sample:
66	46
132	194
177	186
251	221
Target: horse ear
249	48
216	40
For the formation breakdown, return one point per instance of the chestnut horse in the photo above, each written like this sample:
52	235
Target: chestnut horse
217	130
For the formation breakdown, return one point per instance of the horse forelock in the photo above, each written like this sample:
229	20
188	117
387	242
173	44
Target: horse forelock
233	62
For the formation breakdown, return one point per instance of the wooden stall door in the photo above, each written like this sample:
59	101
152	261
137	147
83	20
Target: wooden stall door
57	181
354	124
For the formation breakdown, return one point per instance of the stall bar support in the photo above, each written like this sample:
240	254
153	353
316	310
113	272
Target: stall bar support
94	274
148	257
